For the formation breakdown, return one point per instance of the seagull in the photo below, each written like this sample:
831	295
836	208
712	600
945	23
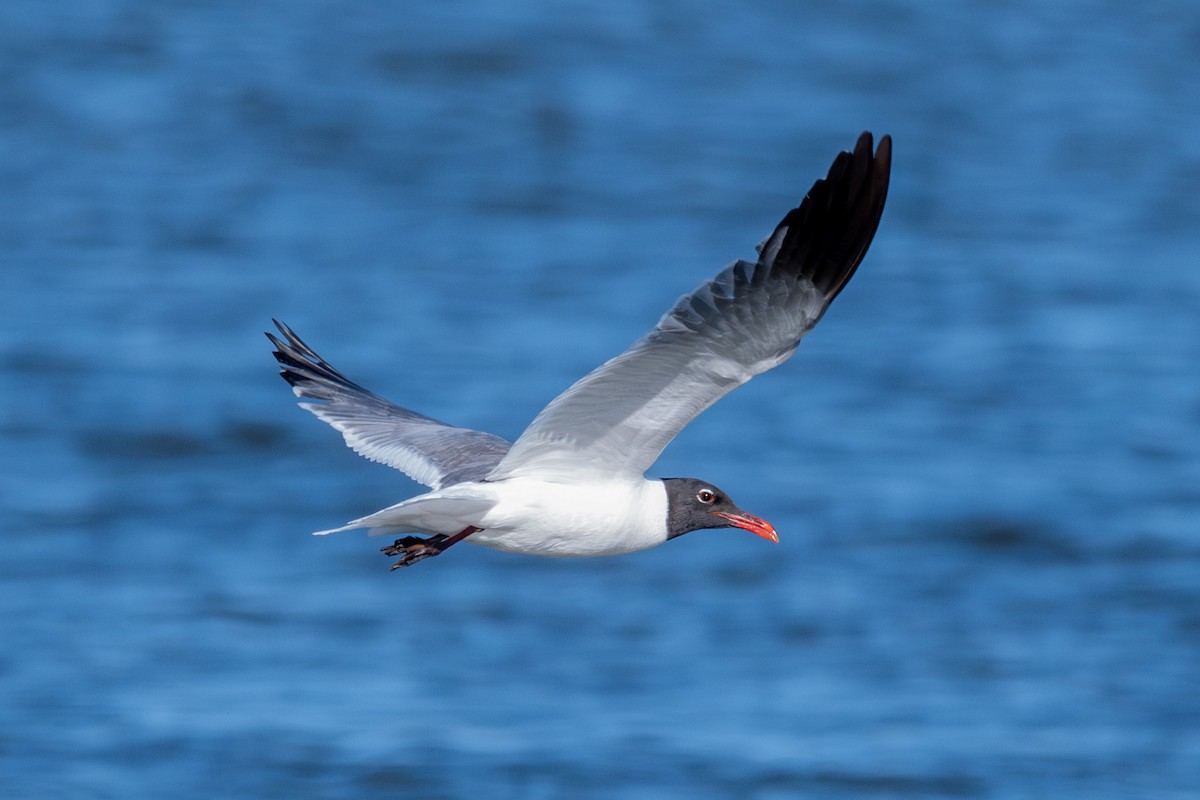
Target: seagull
573	484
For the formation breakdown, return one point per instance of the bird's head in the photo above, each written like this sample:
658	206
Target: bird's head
694	504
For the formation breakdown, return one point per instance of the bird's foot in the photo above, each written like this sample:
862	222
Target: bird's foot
412	549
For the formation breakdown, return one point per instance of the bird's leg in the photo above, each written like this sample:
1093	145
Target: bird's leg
412	549
402	545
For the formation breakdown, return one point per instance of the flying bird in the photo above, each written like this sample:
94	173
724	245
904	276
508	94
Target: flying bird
573	483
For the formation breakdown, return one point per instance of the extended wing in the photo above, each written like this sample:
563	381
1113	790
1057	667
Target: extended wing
428	451
743	322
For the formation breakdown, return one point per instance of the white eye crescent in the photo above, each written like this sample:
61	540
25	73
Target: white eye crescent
707	497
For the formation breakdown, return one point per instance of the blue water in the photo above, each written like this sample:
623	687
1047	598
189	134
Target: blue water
984	463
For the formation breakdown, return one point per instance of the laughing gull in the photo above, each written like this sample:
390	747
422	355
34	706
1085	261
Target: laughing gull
573	483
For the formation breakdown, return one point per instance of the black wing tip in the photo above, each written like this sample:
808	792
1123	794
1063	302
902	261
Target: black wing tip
829	232
291	345
300	364
291	354
283	328
880	156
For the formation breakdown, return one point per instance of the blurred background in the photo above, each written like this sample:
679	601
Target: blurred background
983	463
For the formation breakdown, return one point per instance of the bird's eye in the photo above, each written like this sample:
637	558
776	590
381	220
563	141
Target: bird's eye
707	497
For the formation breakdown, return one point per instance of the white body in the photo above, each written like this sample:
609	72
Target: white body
535	516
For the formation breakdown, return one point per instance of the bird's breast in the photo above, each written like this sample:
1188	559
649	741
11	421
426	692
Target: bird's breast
593	518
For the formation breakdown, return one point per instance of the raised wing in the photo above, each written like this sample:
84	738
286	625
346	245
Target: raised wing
428	451
743	322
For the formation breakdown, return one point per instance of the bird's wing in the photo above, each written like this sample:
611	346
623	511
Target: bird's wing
428	451
743	322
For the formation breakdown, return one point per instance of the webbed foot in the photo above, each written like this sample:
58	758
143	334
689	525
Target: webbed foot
412	549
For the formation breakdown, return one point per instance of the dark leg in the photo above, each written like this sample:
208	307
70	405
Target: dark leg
412	549
400	546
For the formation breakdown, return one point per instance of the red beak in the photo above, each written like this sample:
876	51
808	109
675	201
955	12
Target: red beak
756	525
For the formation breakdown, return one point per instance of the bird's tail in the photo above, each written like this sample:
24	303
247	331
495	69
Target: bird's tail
428	513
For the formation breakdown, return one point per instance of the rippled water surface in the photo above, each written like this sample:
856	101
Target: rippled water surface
983	464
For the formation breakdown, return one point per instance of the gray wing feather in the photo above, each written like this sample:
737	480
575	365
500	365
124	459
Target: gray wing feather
743	322
428	451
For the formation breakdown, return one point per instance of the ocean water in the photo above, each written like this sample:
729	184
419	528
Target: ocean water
984	463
